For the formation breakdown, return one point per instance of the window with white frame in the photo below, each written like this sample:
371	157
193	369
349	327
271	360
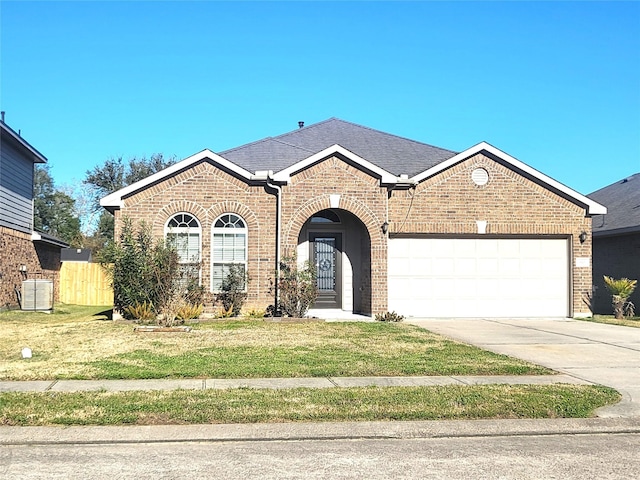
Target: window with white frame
229	247
183	232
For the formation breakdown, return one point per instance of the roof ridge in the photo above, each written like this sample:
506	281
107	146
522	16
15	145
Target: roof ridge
277	137
371	130
322	122
255	142
292	145
617	182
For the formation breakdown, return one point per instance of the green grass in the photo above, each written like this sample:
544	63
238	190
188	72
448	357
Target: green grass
321	361
303	405
80	344
611	320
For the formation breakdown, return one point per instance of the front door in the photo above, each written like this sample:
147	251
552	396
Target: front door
326	253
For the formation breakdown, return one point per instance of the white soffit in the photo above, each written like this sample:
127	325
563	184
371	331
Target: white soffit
593	208
115	199
285	175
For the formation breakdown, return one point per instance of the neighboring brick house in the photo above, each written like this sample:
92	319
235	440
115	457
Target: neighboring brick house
24	253
390	223
616	239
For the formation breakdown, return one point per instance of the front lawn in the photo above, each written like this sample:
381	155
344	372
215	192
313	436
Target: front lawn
304	405
611	320
81	343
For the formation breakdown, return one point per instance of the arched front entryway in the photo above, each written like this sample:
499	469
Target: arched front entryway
338	246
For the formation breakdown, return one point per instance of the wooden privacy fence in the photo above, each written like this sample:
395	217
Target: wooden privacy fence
84	284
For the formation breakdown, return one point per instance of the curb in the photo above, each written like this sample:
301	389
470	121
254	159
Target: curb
313	431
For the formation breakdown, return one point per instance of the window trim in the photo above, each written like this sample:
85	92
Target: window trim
188	230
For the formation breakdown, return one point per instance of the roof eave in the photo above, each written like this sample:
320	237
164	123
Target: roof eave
114	200
48	239
37	157
617	231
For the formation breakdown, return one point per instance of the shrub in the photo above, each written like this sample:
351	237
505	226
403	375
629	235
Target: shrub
195	291
144	272
128	265
226	312
389	317
621	289
254	313
297	287
189	311
233	293
140	311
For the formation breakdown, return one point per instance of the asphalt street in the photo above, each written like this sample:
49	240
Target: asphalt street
584	456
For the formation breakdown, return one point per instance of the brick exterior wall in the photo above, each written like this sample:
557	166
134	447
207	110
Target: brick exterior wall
207	192
615	257
449	203
42	261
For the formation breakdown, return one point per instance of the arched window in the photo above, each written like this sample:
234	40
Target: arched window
183	232
229	247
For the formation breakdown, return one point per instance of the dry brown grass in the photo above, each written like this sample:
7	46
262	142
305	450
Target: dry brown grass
66	345
61	347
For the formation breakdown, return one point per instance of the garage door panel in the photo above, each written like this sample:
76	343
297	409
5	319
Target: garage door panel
509	266
442	266
440	247
531	267
509	248
488	266
441	288
531	248
479	277
488	288
420	266
462	249
399	267
465	266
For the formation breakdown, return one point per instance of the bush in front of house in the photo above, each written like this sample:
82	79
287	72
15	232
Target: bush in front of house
233	291
621	289
297	287
147	275
389	317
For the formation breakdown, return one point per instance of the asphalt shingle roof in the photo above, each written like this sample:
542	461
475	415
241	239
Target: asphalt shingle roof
622	200
394	154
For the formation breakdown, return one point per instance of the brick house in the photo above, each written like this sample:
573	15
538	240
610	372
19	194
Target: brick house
24	253
616	239
390	223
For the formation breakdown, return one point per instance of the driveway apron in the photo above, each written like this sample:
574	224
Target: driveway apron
602	354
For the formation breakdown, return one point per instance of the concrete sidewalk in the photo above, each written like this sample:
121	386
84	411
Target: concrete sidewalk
276	383
594	352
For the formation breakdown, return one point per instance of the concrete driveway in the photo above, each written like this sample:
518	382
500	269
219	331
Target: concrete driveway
603	354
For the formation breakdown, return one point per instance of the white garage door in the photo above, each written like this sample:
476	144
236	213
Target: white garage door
478	277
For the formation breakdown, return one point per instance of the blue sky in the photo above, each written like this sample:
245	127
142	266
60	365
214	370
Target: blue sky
554	84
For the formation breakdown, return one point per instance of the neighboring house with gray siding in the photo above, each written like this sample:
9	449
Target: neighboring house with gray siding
16	181
616	239
24	253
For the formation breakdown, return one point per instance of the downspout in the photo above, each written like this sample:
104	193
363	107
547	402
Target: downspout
278	195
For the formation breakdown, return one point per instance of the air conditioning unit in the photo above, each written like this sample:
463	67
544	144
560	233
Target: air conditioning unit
37	294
